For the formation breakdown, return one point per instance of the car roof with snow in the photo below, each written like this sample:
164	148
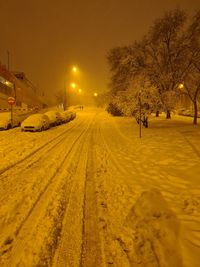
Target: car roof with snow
51	112
37	116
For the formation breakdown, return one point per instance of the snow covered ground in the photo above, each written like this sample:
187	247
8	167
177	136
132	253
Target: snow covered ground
165	159
92	193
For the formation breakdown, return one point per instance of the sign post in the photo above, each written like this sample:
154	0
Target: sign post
11	102
140	116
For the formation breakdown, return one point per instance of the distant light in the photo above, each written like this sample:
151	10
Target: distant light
7	83
181	86
73	85
95	94
74	69
80	90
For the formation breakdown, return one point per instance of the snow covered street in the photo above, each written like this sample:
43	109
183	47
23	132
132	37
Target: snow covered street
92	193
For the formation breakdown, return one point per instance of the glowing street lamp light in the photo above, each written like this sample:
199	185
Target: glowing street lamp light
73	85
80	91
74	69
181	86
95	94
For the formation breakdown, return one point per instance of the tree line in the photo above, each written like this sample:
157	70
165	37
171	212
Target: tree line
158	68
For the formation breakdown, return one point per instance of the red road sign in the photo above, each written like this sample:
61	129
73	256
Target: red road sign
11	100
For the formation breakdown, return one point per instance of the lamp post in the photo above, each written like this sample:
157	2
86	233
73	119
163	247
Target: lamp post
65	97
8	59
181	86
73	85
140	115
74	69
181	89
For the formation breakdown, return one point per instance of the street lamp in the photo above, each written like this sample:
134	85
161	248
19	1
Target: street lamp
181	86
95	94
73	85
74	69
140	115
80	91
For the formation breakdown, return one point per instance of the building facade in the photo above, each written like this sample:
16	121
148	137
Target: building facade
16	84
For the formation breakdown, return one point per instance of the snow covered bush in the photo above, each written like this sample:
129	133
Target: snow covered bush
113	109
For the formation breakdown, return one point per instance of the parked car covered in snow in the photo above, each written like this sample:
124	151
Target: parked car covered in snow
72	114
54	117
66	116
5	121
36	122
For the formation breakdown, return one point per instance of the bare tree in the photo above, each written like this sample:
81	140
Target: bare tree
166	56
191	77
120	60
162	52
192	88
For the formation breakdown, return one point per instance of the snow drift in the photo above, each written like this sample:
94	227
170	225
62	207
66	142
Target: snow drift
150	236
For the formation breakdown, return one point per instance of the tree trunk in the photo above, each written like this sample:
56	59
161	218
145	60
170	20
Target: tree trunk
195	112
157	113
168	114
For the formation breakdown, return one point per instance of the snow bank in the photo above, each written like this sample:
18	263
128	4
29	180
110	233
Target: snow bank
151	233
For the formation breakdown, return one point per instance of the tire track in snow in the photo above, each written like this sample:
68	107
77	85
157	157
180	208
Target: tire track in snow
37	150
9	133
91	251
23	229
11	182
69	248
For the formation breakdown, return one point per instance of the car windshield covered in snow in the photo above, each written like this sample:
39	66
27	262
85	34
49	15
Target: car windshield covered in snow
34	118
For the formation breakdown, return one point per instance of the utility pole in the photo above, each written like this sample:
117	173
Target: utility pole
15	91
8	60
140	110
65	97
